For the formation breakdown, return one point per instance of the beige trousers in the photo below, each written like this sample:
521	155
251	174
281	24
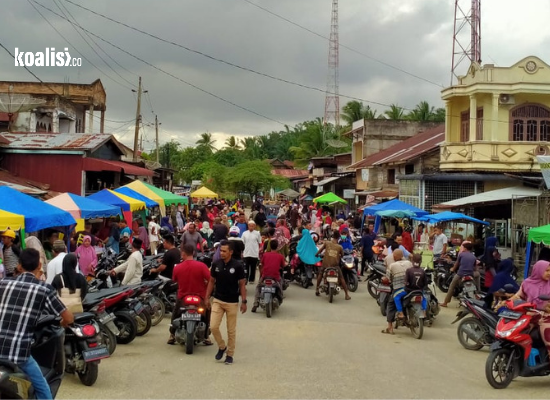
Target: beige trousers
219	308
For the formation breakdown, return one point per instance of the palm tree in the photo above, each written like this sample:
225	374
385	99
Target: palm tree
423	112
440	114
395	113
232	143
355	110
206	141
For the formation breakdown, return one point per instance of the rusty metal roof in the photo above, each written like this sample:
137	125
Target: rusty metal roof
55	141
405	150
23	185
291	173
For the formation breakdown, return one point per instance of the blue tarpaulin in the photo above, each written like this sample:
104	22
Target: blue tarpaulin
138	196
38	215
396	205
104	196
450	216
90	208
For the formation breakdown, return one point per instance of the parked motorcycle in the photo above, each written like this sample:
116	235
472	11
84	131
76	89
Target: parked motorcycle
190	327
478	329
519	349
48	349
349	270
383	295
430	295
413	313
83	348
270	299
329	284
375	271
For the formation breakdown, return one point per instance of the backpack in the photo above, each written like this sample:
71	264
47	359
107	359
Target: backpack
72	301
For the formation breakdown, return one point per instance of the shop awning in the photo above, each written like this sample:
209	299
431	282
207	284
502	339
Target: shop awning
11	221
492	196
96	164
327	180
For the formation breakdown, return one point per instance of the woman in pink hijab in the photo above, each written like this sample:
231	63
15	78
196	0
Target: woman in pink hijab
87	257
538	284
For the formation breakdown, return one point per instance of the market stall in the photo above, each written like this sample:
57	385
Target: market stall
143	189
11	221
539	235
394	206
204	193
127	204
329	198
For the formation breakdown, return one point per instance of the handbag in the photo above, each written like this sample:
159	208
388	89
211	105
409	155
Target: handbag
72	301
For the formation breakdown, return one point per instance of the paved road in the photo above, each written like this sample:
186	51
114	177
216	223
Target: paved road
309	349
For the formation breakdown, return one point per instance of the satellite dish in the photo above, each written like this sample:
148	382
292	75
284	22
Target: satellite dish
11	103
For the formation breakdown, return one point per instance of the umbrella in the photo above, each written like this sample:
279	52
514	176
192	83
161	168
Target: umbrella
83	208
329	198
450	216
204	192
38	215
11	221
149	203
117	199
289	193
394	205
395	213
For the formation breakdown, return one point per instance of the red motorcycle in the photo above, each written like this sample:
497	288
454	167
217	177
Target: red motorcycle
519	349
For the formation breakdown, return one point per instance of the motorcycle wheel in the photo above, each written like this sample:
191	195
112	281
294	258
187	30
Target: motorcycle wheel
157	316
108	338
331	295
305	283
189	342
495	368
127	326
372	290
416	325
144	323
442	285
269	309
463	337
353	283
89	376
383	308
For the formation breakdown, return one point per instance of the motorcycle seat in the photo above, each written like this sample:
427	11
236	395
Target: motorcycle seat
8	364
479	303
83	317
94	297
380	267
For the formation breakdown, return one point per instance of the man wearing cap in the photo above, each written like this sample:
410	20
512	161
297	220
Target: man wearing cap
125	234
55	266
237	243
11	252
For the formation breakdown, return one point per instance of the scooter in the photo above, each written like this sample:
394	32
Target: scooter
414	314
383	294
48	350
270	300
190	326
376	271
329	284
349	270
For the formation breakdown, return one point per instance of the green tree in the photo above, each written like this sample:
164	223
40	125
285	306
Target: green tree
395	113
440	114
169	154
232	143
206	141
254	147
423	112
229	157
355	110
253	177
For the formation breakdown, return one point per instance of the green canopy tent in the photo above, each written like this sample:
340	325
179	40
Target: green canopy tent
168	197
537	235
329	198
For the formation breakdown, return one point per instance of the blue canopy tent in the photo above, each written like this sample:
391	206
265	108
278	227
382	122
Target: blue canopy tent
38	215
393	205
83	208
105	196
449	216
132	193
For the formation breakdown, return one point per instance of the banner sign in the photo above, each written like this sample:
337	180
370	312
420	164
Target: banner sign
544	162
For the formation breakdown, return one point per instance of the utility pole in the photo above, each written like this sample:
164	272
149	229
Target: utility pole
138	119
157	136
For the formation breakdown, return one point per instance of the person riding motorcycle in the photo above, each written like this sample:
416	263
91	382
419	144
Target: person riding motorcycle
345	240
272	262
334	252
466	264
415	279
396	272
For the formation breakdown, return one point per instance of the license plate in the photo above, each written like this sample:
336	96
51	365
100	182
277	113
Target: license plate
332	279
138	308
105	318
95	354
190	316
509	314
268	289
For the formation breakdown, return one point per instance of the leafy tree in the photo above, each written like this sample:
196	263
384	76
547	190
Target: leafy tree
206	141
423	112
253	177
395	113
229	157
254	147
355	110
168	154
440	114
232	143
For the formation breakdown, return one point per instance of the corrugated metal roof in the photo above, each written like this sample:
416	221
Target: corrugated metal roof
291	173
407	149
494	195
55	141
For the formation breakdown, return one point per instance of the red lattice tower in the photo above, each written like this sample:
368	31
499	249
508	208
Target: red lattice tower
332	98
466	46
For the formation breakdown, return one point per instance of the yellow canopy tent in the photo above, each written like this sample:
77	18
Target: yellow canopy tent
203	193
11	221
135	205
139	187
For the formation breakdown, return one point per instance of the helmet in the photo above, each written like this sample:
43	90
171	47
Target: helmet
164	231
234	231
9	233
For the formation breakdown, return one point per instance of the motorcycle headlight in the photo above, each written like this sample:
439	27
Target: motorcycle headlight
509	332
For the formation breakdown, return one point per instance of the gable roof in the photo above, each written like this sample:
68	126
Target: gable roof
406	150
56	141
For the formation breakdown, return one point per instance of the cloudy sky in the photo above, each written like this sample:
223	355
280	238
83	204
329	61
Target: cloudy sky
410	35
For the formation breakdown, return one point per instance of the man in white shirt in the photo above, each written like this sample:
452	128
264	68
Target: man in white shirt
440	243
133	267
55	266
153	229
252	240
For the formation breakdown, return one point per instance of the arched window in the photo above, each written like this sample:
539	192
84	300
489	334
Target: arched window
530	123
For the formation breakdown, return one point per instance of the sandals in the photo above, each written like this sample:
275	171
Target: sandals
207	342
172	340
388	332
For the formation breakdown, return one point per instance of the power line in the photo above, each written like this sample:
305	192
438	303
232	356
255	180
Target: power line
317	89
166	72
343	45
72	46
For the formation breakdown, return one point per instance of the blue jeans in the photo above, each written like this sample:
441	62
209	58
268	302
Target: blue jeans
41	387
399	294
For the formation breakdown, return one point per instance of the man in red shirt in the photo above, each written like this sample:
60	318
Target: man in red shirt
192	278
272	263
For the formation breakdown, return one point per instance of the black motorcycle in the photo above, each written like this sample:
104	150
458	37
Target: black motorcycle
433	308
383	294
375	272
348	265
270	298
190	326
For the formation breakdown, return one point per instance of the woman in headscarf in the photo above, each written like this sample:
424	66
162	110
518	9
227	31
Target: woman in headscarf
69	278
491	259
225	221
307	249
538	284
165	223
501	279
143	235
282	241
87	256
206	232
181	224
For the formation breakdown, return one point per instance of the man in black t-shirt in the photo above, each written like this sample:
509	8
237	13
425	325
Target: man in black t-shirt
227	281
171	257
